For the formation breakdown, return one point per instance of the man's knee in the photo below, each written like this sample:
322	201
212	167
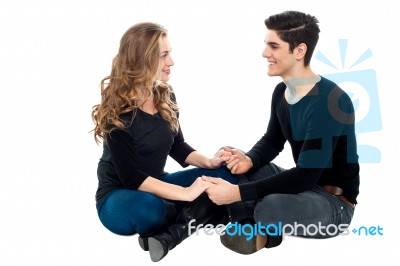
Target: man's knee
270	209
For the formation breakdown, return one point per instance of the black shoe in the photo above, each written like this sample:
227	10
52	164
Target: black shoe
144	242
161	243
202	210
158	248
248	244
240	243
171	212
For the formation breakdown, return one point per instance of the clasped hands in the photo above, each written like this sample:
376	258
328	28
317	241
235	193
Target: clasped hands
220	191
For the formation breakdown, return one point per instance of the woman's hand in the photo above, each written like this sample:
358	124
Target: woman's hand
197	188
220	158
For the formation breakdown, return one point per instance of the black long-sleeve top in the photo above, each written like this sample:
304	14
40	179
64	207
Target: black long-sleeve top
320	131
138	151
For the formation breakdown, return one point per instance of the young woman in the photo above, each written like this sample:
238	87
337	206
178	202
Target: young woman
137	120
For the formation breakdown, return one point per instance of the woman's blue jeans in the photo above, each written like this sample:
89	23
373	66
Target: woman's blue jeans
127	212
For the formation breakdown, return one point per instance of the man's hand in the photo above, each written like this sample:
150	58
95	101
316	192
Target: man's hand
238	162
220	158
222	192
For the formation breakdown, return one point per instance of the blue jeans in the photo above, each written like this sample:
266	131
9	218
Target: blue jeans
127	212
314	213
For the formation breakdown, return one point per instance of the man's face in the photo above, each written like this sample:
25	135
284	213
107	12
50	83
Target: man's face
281	62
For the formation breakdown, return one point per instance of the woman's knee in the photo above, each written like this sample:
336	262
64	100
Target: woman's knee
224	173
130	212
150	215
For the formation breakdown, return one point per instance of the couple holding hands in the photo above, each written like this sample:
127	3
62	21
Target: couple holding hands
137	121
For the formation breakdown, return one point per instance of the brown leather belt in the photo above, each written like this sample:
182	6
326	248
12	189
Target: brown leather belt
338	193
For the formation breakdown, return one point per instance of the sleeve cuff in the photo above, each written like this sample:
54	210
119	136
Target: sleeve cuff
248	192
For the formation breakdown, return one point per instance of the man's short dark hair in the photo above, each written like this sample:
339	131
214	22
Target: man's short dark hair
295	27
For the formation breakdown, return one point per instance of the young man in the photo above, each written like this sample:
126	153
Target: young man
317	197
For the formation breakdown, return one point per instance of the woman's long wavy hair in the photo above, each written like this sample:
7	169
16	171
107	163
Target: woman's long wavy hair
132	81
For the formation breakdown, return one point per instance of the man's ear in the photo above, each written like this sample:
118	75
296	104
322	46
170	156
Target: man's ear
300	51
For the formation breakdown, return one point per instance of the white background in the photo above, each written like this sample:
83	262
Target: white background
53	55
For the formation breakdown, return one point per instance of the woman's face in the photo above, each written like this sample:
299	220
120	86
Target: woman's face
164	68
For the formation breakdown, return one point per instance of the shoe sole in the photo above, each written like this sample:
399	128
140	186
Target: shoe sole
156	250
239	243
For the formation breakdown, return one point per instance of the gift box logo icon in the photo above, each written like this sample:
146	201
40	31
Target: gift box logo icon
361	86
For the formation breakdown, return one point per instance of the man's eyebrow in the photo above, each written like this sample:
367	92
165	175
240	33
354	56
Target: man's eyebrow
271	43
